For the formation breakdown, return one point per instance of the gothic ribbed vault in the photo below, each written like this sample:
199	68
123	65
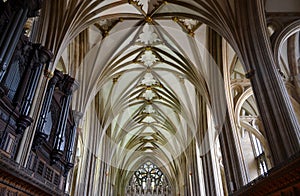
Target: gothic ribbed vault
151	73
161	97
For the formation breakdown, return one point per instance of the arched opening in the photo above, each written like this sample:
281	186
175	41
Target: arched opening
148	179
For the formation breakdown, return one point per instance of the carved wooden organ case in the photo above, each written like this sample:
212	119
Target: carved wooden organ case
21	67
21	64
55	136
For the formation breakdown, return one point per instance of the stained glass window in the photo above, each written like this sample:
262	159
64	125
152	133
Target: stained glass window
148	178
148	172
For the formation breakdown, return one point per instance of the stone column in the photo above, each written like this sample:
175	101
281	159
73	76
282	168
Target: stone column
193	171
208	173
236	175
186	172
209	180
278	117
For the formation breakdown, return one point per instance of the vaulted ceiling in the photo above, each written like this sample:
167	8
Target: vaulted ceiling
152	96
147	68
151	69
150	85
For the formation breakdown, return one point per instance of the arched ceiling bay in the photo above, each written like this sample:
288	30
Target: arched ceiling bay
149	71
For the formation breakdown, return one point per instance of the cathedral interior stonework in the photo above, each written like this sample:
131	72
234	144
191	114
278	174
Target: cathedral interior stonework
149	97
